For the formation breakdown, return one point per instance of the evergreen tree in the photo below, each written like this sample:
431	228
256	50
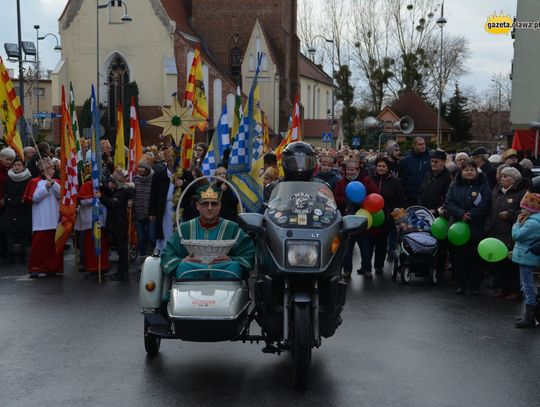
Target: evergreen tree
458	116
345	93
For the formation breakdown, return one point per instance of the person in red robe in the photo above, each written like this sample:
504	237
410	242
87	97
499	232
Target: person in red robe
43	193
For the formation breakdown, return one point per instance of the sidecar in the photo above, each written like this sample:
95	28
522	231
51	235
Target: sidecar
198	307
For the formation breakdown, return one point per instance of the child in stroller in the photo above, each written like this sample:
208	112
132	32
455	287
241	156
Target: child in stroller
416	246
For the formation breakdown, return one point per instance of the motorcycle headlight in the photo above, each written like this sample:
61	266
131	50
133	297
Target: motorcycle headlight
302	253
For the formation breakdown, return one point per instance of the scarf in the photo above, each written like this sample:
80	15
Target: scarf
20	177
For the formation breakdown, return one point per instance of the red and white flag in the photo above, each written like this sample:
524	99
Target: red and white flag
135	144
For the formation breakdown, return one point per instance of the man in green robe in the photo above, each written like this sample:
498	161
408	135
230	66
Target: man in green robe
177	261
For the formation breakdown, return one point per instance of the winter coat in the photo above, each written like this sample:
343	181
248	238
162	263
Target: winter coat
473	197
18	214
393	194
491	174
229	204
412	170
345	206
116	202
331	178
501	228
3	180
525	234
432	192
142	195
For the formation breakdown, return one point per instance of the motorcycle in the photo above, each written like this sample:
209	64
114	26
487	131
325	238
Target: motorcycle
297	291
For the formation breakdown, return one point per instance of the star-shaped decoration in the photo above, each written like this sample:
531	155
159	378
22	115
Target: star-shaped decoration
176	120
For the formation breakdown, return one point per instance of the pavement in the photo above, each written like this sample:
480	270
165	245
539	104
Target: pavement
67	341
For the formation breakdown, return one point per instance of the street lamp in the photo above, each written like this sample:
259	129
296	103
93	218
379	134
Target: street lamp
441	21
57	47
498	104
125	19
311	51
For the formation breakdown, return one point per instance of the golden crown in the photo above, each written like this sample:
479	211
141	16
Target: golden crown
209	194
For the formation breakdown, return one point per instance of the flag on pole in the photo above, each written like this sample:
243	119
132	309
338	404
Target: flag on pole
187	151
219	143
76	133
255	122
10	111
69	181
195	92
135	143
96	175
119	148
294	134
238	114
266	134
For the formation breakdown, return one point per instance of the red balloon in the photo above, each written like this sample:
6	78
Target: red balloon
373	203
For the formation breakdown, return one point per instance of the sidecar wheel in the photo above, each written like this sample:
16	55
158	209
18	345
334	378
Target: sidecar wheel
151	343
405	274
301	346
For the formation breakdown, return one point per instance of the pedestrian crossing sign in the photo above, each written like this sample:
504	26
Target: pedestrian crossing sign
327	137
356	141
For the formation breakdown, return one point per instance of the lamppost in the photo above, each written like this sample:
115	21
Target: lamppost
441	21
498	104
56	48
125	19
311	51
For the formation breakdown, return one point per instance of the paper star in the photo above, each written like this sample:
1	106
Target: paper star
176	120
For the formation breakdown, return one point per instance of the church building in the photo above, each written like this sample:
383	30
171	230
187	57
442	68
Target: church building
155	50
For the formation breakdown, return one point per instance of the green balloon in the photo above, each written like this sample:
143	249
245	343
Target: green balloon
439	228
459	233
492	250
378	218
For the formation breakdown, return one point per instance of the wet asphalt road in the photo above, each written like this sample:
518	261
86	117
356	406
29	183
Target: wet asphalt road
67	341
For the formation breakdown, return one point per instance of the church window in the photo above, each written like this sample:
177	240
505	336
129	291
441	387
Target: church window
117	81
251	62
236	62
217	94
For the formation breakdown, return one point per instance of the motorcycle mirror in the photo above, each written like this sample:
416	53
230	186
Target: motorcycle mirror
251	222
352	225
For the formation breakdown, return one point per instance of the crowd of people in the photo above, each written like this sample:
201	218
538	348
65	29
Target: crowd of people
492	193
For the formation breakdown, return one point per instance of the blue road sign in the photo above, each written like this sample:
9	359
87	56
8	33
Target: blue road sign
356	141
47	115
327	137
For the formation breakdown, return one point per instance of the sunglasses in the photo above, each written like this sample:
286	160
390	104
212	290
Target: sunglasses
209	204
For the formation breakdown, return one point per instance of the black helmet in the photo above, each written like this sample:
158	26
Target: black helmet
299	161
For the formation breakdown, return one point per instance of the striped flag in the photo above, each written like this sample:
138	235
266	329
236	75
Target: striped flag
10	111
195	92
76	133
135	143
96	174
220	141
119	147
265	134
69	181
294	134
186	151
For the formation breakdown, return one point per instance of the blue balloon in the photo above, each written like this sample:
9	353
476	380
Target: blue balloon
355	191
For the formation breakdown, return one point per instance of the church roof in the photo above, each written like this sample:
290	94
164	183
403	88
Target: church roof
424	116
178	12
308	69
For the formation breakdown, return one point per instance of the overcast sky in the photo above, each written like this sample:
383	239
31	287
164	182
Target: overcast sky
490	54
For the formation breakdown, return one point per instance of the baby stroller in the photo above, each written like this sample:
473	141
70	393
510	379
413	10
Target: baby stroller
416	246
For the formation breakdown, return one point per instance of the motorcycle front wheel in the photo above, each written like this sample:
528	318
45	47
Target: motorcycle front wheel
151	342
301	346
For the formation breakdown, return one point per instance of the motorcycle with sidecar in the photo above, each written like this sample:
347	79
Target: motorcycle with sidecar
295	293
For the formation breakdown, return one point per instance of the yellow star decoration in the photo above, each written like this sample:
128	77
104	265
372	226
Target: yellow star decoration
176	120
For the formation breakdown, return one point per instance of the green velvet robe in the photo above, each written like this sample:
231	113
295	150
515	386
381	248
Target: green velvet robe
242	253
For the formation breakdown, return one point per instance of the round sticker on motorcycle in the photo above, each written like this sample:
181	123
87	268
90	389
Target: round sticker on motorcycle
317	212
282	220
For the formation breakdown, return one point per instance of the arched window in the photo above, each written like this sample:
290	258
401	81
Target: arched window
251	62
236	62
218	86
117	80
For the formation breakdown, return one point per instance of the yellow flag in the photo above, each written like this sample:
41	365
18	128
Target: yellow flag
10	111
119	149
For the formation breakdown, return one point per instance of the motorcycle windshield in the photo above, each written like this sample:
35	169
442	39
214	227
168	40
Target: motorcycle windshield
302	205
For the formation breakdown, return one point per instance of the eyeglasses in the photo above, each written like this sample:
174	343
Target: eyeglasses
209	204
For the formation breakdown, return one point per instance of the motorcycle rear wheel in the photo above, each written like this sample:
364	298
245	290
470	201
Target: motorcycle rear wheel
151	343
301	346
